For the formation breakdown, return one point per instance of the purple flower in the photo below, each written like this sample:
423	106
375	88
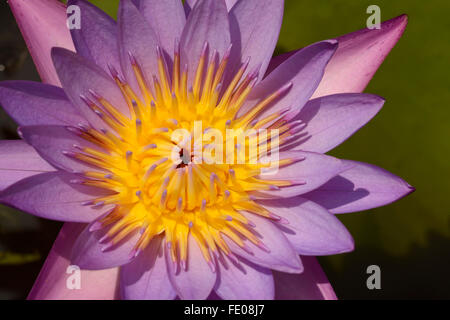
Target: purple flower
98	150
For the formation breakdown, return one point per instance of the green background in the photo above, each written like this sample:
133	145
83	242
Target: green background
410	239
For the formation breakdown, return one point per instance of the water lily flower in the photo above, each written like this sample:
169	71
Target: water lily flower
97	149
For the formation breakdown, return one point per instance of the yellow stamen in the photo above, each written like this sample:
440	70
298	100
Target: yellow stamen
154	195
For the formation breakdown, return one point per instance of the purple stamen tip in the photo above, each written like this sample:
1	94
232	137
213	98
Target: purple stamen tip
137	252
283	221
205	47
251	224
247	249
95	226
73	130
274	216
212	266
246	62
215	54
253	83
98	113
83	127
255	71
262	246
98	205
183	264
228	52
69	154
286	87
132	58
164	196
177	46
85	99
107	246
94	94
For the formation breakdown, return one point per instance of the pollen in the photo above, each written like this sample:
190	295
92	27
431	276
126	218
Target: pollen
158	181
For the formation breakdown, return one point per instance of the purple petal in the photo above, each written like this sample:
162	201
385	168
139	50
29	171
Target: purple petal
362	187
308	171
255	26
33	103
304	70
138	39
55	143
312	284
145	278
197	281
207	22
89	253
96	40
230	3
311	229
43	26
358	57
51	195
167	18
78	76
330	120
56	273
244	281
18	161
278	253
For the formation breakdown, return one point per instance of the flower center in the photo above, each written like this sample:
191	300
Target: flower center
157	161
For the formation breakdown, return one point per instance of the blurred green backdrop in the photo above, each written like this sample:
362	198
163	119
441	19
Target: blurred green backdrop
409	240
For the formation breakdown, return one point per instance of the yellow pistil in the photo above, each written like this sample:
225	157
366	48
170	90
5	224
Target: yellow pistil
154	193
